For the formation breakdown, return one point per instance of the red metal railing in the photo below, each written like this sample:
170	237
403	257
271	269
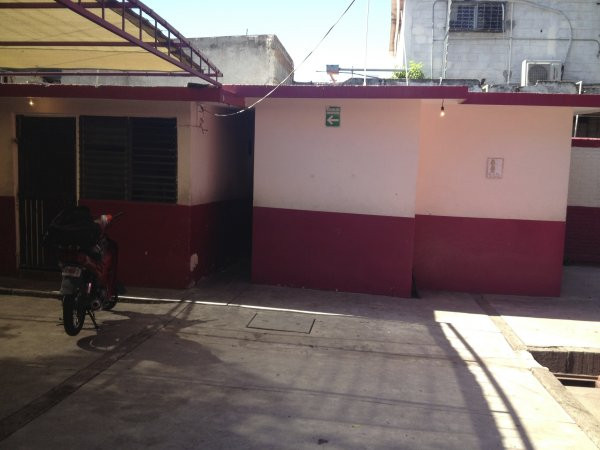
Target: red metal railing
179	51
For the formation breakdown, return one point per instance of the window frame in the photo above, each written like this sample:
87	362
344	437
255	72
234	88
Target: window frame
457	27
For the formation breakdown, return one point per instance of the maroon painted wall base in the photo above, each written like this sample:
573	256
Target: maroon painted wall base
220	234
153	238
498	256
8	237
333	251
582	242
157	241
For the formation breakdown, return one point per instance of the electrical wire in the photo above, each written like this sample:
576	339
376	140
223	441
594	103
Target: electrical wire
247	108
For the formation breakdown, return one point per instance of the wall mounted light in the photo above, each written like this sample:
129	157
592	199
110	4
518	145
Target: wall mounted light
442	110
31	102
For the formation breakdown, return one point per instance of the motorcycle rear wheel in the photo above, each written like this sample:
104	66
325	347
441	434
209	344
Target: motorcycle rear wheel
73	313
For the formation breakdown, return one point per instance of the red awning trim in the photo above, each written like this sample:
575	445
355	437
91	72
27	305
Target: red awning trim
203	94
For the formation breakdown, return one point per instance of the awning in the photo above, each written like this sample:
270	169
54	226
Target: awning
106	35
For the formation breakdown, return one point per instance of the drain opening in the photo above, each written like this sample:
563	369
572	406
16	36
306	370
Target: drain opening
571	368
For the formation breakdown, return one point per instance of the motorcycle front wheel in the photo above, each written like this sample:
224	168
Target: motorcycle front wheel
73	313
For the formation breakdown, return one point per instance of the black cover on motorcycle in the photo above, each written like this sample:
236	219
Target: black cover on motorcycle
73	227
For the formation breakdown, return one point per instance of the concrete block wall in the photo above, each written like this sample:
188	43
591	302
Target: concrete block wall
541	30
260	60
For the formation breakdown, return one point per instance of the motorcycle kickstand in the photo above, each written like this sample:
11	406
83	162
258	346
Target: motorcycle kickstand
93	317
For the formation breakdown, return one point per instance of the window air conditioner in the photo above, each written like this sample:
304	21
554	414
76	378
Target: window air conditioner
534	71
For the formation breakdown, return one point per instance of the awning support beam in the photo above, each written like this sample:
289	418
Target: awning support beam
180	52
88	73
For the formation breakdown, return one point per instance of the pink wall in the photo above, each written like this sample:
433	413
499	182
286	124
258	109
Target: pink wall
492	235
366	166
334	207
534	142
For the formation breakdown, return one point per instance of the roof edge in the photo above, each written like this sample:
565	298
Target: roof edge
530	99
158	93
351	92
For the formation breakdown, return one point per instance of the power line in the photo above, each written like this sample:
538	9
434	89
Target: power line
293	71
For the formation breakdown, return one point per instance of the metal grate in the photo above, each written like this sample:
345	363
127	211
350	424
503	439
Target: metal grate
480	16
104	157
126	158
537	72
154	160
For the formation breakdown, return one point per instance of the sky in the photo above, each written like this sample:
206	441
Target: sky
299	25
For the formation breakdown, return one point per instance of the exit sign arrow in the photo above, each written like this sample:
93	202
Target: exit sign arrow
331	120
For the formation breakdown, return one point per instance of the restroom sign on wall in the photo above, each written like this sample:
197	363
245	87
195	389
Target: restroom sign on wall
495	167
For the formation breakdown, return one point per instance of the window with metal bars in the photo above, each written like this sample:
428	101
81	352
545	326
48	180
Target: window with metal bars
477	16
128	158
588	126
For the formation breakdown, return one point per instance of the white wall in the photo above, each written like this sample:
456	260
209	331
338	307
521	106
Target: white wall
538	34
366	166
535	143
584	182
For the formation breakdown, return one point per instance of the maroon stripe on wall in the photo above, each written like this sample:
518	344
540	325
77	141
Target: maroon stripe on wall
324	250
153	239
582	242
585	142
8	236
220	234
498	256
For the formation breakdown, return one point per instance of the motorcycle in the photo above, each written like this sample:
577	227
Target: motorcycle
87	258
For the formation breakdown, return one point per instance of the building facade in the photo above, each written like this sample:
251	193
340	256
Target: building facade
396	193
490	39
180	174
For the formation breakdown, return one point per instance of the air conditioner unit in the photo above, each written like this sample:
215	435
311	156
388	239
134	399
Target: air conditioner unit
534	71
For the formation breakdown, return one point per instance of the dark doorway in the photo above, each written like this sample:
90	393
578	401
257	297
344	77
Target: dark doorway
47	182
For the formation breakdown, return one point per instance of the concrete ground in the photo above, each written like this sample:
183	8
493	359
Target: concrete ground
234	365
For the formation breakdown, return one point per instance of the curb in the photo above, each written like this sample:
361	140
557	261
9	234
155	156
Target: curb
589	424
582	417
30	293
55	295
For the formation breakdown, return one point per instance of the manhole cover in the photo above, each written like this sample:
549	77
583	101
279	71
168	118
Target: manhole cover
282	321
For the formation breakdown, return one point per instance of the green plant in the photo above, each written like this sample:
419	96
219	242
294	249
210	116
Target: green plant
415	72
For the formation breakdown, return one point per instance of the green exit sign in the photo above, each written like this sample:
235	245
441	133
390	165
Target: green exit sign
333	116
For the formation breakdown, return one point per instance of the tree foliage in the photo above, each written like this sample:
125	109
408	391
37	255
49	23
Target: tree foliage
415	72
